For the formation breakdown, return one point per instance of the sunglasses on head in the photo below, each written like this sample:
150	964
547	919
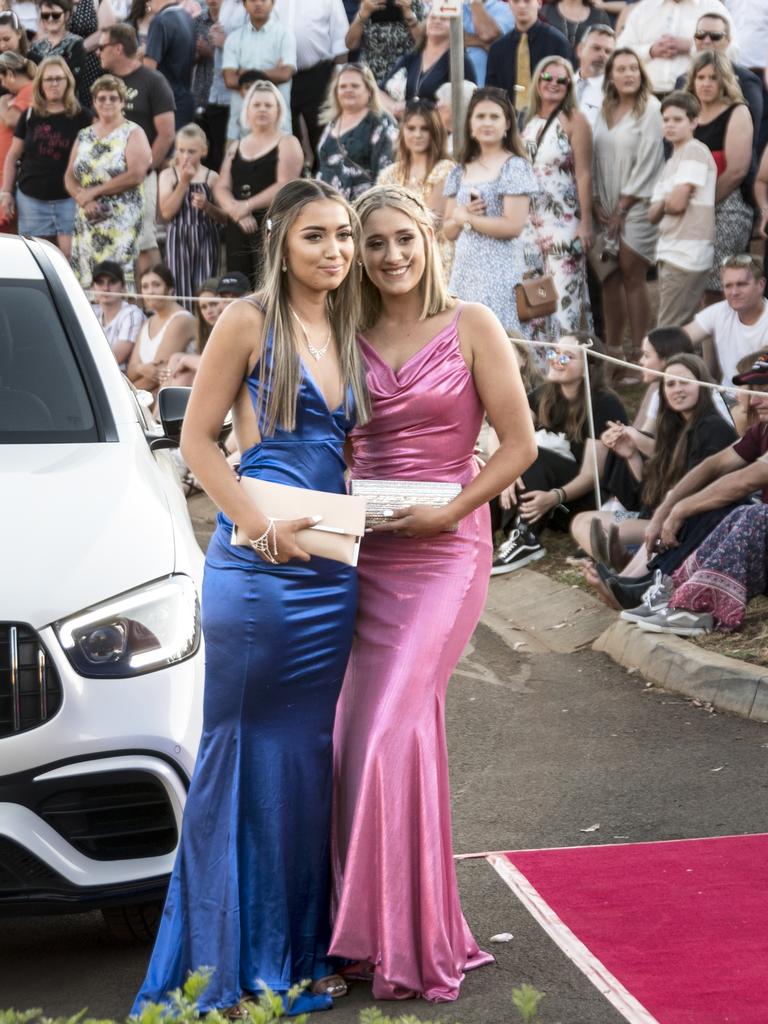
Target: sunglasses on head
558	358
716	37
10	18
52	16
560	79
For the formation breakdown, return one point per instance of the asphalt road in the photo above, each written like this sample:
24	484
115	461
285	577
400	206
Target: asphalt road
541	746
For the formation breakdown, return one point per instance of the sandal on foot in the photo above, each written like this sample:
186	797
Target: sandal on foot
332	985
236	1012
360	971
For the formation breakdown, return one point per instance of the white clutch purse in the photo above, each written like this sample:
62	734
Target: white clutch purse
381	495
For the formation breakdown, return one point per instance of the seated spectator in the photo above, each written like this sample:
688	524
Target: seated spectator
559	144
170	49
729	330
711	588
253	170
744	412
105	176
422	165
593	52
761	200
17	76
661	34
383	32
688	429
561	481
418	75
628	157
120	320
182	366
683	205
261	44
171	329
232	285
37	159
185	199
725	128
574	17
485	21
512	58
360	136
55	40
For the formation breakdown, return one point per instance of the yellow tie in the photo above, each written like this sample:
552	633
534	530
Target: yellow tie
522	99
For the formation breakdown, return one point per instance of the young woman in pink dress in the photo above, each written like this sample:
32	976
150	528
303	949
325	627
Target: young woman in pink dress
435	367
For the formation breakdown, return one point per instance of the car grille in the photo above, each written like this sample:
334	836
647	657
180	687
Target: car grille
20	870
30	689
119	816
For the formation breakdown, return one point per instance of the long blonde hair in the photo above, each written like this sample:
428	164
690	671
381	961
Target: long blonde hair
331	109
730	90
69	99
569	102
433	287
282	373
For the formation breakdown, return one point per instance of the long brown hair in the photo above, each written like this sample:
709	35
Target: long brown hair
730	90
279	383
202	327
437	137
610	92
511	140
570	417
667	465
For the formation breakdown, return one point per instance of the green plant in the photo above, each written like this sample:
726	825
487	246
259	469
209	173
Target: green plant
373	1015
527	999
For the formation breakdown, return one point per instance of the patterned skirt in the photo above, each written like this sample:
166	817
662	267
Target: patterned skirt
727	569
733	230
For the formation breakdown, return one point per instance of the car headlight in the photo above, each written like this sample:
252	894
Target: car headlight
146	629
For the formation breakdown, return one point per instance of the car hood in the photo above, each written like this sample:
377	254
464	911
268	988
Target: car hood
78	524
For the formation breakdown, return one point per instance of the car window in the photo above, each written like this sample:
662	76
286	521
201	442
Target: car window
43	398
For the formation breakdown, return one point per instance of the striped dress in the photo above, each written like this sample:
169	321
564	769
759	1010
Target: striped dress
192	243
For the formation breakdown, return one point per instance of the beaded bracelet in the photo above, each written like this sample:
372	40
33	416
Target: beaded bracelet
266	544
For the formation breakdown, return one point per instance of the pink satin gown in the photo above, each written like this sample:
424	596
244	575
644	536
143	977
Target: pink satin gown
396	901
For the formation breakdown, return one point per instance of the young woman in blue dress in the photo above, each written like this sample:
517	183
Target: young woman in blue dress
249	894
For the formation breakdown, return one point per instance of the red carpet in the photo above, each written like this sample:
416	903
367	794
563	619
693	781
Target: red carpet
673	932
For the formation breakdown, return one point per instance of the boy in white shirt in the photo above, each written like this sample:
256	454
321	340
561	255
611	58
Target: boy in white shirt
683	203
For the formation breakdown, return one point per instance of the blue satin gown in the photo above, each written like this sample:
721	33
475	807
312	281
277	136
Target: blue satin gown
250	890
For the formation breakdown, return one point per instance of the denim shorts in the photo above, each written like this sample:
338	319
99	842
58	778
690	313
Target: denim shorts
45	218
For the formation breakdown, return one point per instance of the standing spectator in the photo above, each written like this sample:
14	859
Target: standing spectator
55	40
725	127
41	146
559	143
149	103
140	18
761	199
628	158
596	46
16	77
487	209
27	13
360	137
13	38
213	27
512	58
320	28
105	176
383	32
182	366
252	173
422	165
661	34
88	18
485	21
185	199
170	50
730	330
121	321
751	22
573	17
262	44
419	74
444	100
683	203
169	329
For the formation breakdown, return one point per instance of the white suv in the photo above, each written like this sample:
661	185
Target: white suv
101	671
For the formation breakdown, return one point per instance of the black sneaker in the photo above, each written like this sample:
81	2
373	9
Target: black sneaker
521	547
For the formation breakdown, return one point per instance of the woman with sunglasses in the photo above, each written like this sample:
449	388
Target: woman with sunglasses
422	166
55	40
16	77
559	142
561	481
38	156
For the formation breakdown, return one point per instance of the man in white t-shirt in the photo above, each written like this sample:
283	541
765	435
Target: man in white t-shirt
683	204
120	320
730	330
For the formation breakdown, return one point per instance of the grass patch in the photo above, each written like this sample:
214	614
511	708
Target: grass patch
749	644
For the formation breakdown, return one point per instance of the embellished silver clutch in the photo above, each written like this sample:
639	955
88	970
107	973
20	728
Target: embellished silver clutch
382	495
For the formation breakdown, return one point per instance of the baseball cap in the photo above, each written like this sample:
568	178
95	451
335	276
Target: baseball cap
757	373
108	268
233	283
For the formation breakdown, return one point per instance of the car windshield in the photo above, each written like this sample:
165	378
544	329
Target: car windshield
43	398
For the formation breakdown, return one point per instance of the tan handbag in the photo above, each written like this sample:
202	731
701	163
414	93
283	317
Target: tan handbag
536	297
336	537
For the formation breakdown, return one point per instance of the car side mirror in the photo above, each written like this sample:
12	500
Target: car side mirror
171	408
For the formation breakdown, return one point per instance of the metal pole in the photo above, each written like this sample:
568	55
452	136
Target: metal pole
591	421
457	83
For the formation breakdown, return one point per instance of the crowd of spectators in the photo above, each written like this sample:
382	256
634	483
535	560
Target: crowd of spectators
612	152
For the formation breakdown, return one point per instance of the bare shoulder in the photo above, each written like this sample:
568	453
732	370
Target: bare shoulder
289	144
477	317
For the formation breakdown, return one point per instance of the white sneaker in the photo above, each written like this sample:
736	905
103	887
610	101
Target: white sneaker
655	599
679	621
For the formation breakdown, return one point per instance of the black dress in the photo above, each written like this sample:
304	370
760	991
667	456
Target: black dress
249	177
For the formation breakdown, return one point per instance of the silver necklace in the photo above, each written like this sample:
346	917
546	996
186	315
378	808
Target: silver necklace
316	353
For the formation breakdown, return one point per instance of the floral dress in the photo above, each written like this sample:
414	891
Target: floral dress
554	223
351	162
115	235
395	175
384	42
488	269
